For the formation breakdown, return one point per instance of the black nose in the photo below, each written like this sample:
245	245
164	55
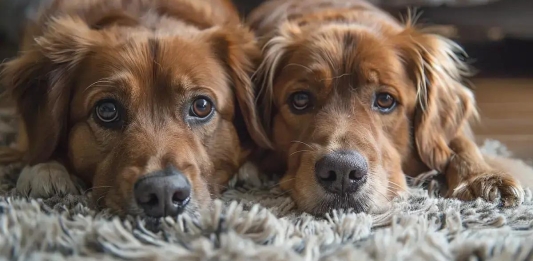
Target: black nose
341	172
163	193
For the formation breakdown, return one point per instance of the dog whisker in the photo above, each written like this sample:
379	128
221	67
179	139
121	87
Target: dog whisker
381	194
397	186
299	151
394	193
98	200
297	141
336	77
285	192
93	188
299	65
279	183
103	80
394	186
217	185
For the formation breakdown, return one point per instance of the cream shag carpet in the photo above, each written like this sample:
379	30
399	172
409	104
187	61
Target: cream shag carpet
418	227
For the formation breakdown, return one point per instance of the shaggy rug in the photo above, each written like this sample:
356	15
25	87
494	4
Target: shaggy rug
254	220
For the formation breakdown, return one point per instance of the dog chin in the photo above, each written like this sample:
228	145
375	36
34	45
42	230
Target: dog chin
355	203
191	210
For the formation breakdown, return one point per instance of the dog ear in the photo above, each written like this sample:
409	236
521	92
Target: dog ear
236	48
444	103
39	81
275	53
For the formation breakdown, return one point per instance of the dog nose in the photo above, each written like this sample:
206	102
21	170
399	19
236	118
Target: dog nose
341	172
164	193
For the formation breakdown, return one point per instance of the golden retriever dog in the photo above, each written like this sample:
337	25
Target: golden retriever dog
148	101
355	101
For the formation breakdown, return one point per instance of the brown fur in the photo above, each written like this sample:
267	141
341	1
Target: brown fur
344	52
154	57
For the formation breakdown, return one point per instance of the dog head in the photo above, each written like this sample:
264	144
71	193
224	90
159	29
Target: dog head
154	121
352	108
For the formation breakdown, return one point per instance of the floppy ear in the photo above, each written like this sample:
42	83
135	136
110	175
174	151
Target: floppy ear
275	53
444	104
39	81
237	50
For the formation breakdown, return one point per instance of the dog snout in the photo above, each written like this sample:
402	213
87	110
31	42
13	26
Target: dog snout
341	172
164	193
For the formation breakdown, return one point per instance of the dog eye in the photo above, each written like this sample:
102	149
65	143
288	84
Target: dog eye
384	102
201	108
300	101
107	112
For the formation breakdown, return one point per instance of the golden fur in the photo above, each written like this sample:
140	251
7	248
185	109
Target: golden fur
344	53
154	57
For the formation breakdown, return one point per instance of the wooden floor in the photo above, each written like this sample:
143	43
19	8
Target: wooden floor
506	110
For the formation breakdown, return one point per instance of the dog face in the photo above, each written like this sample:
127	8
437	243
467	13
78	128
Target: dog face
350	106
139	115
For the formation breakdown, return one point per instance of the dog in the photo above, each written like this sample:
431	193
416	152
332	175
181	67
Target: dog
149	102
355	101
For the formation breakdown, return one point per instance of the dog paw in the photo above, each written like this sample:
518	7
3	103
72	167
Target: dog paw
46	180
491	187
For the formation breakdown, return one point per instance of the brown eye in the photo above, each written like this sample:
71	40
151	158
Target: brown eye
201	108
108	112
384	102
300	101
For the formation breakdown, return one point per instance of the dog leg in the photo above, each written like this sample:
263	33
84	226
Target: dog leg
469	176
46	180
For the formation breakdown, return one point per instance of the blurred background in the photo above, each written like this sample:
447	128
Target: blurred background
497	34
